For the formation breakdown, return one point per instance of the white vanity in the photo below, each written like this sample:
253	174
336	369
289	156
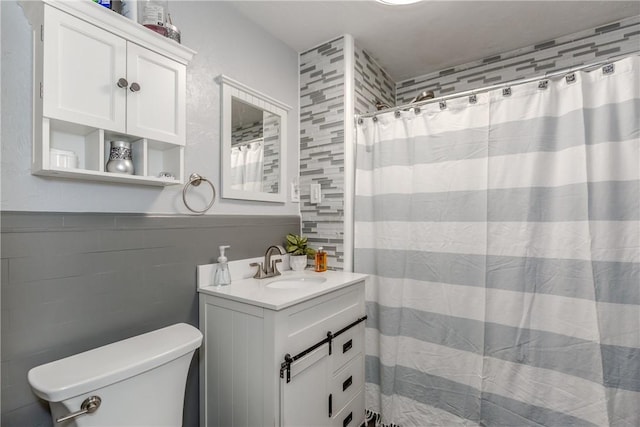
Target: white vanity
317	319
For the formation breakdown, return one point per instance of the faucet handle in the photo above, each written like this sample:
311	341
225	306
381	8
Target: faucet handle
260	273
274	267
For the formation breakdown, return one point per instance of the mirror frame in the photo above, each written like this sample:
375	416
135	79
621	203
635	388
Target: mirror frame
232	89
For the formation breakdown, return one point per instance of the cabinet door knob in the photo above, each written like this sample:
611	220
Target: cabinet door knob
134	87
122	82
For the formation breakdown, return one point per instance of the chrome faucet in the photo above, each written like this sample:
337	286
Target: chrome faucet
269	269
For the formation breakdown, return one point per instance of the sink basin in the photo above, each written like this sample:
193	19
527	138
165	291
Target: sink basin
295	282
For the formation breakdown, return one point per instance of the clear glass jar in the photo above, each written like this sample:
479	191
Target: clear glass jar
153	15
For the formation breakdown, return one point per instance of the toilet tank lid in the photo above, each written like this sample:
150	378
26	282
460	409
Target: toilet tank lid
97	368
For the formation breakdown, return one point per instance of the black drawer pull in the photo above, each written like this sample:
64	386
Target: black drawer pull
347	383
347	420
347	346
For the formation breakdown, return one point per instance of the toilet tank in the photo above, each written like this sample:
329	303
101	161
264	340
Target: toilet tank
140	380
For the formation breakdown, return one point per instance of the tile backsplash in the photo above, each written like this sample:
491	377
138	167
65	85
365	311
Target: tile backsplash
322	146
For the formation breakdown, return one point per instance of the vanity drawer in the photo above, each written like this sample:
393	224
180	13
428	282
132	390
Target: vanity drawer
346	346
351	415
308	324
347	383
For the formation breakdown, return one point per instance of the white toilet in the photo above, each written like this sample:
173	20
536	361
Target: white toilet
138	382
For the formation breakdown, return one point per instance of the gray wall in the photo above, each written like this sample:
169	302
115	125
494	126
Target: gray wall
75	281
372	83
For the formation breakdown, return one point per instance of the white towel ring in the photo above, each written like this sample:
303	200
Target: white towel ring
196	180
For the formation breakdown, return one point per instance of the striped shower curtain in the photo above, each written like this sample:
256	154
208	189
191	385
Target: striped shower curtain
502	235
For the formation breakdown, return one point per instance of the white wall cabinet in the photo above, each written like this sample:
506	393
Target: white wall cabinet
82	63
101	77
157	109
244	346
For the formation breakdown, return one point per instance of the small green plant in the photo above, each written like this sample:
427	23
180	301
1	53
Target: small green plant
297	245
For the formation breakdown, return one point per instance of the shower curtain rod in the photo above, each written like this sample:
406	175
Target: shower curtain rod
500	85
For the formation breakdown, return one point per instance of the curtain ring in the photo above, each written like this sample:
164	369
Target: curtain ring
196	180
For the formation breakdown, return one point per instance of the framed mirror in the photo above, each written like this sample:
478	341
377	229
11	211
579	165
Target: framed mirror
253	144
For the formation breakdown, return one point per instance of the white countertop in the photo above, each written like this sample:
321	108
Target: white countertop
256	292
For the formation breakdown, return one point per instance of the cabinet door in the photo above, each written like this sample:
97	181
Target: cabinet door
82	66
305	400
157	109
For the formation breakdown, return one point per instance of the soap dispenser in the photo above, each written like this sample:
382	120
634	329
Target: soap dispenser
222	276
321	260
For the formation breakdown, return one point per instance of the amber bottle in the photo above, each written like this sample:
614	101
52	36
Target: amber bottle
321	260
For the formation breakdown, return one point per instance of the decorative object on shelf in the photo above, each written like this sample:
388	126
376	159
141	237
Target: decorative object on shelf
299	251
115	5
166	175
63	159
153	15
172	31
195	180
120	160
129	9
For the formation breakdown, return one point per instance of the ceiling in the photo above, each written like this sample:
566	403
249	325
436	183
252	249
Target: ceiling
413	40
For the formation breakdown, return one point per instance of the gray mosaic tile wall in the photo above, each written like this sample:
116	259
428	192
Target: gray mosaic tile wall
245	133
271	156
322	147
584	47
322	72
372	83
76	281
